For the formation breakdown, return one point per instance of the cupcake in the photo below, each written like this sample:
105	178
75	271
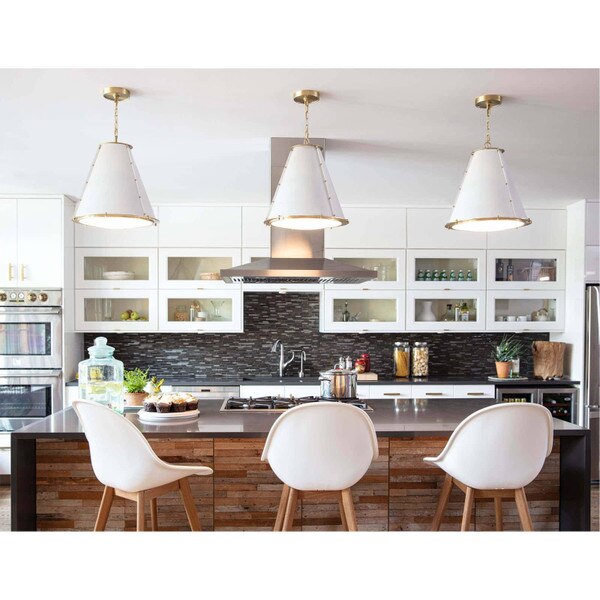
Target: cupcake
178	404
163	405
191	403
150	403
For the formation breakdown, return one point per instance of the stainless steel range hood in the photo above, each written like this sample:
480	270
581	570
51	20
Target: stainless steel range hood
296	256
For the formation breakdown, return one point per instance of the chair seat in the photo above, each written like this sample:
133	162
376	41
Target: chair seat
168	474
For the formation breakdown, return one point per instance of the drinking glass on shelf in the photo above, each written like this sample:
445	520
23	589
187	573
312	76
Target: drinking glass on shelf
217	304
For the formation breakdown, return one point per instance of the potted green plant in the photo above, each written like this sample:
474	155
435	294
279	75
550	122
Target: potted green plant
504	353
135	381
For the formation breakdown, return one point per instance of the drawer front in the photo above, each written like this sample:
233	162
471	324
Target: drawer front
363	391
258	391
4	461
433	391
474	391
391	391
301	391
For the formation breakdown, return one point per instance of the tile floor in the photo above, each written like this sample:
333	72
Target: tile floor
5	508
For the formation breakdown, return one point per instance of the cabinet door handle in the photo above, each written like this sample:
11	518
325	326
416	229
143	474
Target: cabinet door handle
10	272
434	393
392	393
475	393
22	272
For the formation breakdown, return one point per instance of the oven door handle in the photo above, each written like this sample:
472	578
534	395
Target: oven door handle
29	310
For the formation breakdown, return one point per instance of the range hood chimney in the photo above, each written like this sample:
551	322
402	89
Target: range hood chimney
297	256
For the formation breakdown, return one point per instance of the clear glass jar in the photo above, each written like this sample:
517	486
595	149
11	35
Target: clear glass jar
420	360
401	359
101	376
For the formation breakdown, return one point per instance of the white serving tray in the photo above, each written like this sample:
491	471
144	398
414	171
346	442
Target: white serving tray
174	417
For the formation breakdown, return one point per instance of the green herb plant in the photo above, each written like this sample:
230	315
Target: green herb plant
135	380
508	349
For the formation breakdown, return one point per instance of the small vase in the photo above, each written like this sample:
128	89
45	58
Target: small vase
134	398
503	369
426	313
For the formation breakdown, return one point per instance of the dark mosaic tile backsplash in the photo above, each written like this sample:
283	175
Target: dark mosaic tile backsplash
294	318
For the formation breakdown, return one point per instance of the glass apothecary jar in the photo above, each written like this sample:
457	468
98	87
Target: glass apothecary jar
420	360
401	359
101	376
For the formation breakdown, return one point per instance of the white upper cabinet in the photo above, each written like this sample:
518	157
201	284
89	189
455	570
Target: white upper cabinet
445	270
8	242
200	226
254	231
426	228
40	242
97	237
526	269
369	228
548	230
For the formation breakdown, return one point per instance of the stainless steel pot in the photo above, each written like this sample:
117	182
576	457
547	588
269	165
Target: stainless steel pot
338	383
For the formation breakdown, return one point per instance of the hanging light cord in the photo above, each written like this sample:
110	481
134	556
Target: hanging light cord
488	140
116	118
306	139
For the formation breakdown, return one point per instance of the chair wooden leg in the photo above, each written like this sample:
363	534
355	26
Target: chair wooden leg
442	503
104	510
343	514
523	509
290	510
154	514
498	510
188	503
348	506
468	509
141	514
282	506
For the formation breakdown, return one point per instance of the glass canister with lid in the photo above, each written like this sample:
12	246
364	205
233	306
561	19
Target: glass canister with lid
420	360
101	376
401	359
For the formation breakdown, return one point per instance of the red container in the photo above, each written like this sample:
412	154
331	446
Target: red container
367	360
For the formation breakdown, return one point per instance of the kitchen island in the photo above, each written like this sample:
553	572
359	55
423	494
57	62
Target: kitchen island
54	488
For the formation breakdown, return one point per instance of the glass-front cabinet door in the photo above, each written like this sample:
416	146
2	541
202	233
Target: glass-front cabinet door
389	266
526	269
115	268
445	270
197	268
360	311
434	310
116	310
525	311
211	311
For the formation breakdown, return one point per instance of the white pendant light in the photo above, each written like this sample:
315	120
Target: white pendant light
305	198
487	199
114	196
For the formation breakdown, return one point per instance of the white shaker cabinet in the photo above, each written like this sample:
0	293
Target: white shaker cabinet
254	231
369	228
548	230
8	244
426	228
200	226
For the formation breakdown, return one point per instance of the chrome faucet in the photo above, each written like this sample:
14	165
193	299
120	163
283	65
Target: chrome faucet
302	359
282	363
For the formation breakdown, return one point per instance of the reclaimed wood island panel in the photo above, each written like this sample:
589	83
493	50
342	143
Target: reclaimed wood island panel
54	487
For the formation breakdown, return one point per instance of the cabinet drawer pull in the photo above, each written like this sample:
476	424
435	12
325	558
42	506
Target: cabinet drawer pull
22	272
434	393
10	272
392	393
475	393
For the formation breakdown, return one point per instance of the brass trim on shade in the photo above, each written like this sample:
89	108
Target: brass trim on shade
340	220
116	93
451	224
488	99
309	96
154	221
118	143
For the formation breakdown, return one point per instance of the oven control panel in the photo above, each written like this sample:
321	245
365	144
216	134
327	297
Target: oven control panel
10	297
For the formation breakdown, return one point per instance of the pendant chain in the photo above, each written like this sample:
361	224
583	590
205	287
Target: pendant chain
116	119
488	141
306	140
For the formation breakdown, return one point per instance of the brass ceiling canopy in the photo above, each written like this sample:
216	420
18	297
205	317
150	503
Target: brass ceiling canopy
306	96
488	100
116	94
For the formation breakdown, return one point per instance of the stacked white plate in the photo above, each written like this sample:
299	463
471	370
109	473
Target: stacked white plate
118	275
157	418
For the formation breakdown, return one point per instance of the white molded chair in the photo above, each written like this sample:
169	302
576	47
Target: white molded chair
124	462
495	453
323	447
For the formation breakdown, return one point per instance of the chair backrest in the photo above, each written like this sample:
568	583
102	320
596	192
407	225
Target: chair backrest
499	447
321	446
121	456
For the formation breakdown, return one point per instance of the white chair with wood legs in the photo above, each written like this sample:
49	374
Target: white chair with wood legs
322	448
495	453
124	462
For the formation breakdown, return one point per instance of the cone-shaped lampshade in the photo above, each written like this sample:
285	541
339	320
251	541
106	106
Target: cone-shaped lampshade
114	196
305	198
487	199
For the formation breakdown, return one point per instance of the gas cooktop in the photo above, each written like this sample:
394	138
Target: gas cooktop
278	404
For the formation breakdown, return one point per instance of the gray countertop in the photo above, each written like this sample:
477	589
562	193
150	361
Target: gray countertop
404	419
269	380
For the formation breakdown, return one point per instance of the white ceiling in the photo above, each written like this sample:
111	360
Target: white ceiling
399	136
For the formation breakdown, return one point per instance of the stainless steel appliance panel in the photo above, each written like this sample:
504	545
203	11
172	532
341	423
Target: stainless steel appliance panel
592	377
